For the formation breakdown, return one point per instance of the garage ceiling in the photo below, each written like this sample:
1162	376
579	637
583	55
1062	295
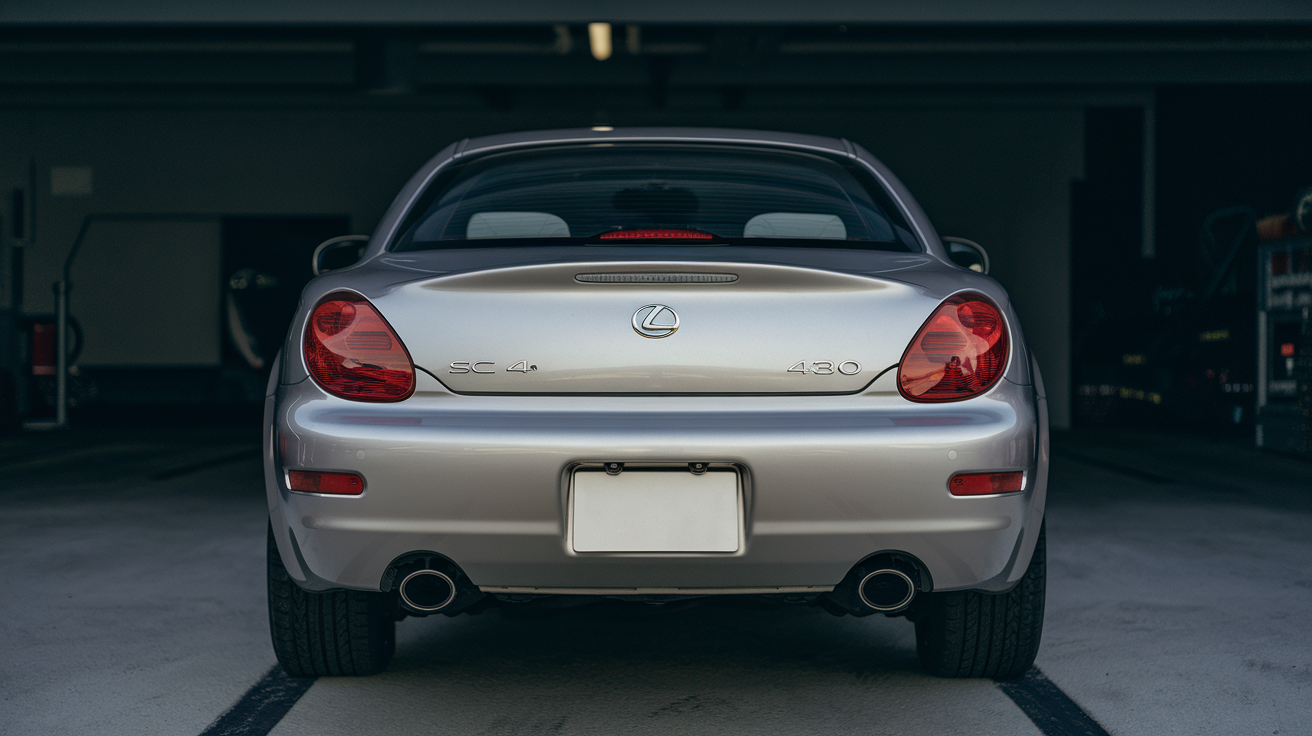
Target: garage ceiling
329	12
431	57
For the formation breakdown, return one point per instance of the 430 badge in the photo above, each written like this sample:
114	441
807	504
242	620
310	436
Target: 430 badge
826	367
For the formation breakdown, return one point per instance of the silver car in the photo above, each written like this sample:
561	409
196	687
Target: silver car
654	364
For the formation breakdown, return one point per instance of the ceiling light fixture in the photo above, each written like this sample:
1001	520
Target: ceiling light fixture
599	38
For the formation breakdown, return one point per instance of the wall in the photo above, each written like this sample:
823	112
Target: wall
148	294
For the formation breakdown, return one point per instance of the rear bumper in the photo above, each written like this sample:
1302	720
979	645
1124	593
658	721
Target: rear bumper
827	481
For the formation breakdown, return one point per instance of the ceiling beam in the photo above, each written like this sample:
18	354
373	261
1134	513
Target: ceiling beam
501	12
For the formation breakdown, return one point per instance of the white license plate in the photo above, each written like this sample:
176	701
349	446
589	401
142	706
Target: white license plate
655	511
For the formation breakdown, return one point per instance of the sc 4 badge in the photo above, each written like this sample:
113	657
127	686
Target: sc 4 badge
488	367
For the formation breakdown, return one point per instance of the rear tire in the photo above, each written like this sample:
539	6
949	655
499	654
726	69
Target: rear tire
334	632
972	634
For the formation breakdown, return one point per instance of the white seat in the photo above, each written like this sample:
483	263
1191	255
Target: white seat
515	225
795	225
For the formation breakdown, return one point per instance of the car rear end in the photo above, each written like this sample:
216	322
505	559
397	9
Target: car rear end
706	396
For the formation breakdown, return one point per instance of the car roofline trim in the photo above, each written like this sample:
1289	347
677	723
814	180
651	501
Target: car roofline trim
731	135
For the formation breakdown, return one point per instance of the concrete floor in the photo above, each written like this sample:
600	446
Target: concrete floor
1180	585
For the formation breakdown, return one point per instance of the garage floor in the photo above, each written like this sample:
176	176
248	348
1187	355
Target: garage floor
1180	585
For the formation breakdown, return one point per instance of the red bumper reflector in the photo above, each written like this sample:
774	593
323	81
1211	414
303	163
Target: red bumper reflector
308	481
980	484
656	235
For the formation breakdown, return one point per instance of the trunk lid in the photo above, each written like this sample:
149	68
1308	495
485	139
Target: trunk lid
578	328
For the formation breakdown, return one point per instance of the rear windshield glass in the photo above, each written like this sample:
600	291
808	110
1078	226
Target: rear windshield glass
654	194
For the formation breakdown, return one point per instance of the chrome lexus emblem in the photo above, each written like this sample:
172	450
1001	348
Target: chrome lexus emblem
655	320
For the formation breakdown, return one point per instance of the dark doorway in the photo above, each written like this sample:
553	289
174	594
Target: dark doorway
1107	269
266	264
1172	340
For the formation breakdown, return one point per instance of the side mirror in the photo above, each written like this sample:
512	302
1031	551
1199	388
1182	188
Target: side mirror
337	253
967	254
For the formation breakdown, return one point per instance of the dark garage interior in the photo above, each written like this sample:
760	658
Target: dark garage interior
1140	175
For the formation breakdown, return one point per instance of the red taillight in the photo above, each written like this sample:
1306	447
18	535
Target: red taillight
353	353
980	484
656	235
960	352
309	481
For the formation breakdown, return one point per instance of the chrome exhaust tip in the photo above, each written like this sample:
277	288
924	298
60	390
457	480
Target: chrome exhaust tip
887	590
427	591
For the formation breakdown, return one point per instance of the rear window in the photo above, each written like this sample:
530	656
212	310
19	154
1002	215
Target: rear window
650	194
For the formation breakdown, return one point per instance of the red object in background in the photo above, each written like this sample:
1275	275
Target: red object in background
980	484
1279	264
44	353
1276	227
1287	350
307	481
656	235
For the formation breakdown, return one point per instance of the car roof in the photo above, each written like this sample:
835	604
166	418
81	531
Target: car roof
689	135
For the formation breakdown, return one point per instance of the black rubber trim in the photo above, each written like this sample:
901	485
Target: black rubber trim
1051	710
262	707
